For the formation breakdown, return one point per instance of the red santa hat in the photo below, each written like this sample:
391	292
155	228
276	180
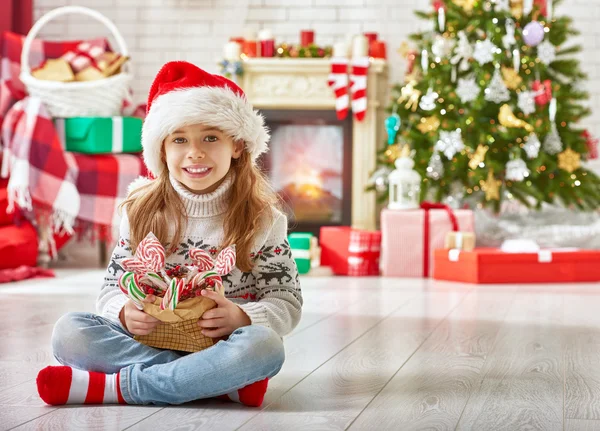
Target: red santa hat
183	94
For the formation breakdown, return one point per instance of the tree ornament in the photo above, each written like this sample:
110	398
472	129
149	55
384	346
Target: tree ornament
569	160
428	100
478	157
516	8
379	179
441	19
442	47
463	52
546	52
543	91
502	6
435	167
591	144
512	80
392	152
484	51
467	5
508	39
553	144
496	91
533	33
410	95
450	143
392	125
532	146
526	102
516	170
404	183
467	89
527	7
428	124
516	59
491	187
508	119
425	61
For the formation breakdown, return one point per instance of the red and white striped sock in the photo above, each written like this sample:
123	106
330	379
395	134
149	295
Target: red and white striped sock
358	77
338	81
251	395
66	385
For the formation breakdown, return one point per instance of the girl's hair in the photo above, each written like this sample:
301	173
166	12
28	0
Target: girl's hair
155	207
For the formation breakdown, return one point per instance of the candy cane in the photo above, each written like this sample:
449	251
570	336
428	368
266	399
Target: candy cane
124	281
201	277
135	293
151	252
201	259
155	280
225	261
166	301
134	265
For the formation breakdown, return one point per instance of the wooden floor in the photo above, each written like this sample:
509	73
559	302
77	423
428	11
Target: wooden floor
369	354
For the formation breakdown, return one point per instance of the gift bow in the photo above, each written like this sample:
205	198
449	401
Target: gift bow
453	220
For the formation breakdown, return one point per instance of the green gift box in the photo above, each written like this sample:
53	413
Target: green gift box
101	135
300	244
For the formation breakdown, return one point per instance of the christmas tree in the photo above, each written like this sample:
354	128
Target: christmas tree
491	103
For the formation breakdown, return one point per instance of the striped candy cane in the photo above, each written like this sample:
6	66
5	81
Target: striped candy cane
360	66
338	81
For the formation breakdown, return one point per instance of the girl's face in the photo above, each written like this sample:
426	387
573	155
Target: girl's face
199	156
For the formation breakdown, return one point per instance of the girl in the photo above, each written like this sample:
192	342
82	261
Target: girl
201	139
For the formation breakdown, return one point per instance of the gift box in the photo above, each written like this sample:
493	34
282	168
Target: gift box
301	243
19	245
101	135
409	237
492	265
349	251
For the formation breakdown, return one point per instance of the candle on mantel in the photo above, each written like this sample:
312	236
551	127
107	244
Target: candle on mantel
377	49
340	49
232	51
307	37
267	43
360	46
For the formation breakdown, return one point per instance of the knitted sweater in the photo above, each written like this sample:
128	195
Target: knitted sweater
269	294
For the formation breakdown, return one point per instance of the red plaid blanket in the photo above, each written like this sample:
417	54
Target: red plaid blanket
73	188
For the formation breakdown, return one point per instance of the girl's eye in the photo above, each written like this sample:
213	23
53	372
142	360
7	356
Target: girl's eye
211	138
179	140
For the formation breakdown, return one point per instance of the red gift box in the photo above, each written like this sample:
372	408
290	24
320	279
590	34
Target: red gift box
411	236
18	246
349	251
491	265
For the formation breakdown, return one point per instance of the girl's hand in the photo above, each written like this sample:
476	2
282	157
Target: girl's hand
136	321
224	319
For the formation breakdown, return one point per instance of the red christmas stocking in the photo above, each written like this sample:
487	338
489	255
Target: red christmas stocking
360	66
338	81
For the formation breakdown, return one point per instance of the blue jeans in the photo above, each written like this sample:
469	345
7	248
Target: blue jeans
157	376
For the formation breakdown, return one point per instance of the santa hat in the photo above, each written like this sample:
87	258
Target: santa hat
183	94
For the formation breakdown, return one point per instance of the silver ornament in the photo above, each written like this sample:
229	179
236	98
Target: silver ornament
442	47
532	146
496	91
435	167
526	102
427	102
450	143
484	51
502	6
553	144
463	52
467	89
379	179
546	52
516	170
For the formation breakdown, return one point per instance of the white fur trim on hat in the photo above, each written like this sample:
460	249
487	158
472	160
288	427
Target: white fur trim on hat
210	106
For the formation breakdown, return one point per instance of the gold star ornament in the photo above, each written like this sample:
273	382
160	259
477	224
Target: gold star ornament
491	187
428	124
569	160
393	152
467	5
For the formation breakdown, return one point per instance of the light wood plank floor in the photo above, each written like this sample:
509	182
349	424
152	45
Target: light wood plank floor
369	354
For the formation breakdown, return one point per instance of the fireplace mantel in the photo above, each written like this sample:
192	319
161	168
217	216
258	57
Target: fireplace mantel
284	83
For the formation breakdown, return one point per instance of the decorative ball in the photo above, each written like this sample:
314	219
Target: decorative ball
533	33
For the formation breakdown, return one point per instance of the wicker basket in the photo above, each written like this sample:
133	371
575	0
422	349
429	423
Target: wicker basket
100	98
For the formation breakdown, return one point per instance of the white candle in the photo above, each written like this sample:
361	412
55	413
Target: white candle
424	61
360	46
442	19
265	34
340	49
232	51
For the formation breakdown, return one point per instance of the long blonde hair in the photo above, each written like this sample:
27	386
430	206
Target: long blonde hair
155	207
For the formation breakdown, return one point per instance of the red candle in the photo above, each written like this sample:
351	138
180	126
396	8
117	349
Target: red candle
307	37
239	40
267	48
249	48
377	49
371	36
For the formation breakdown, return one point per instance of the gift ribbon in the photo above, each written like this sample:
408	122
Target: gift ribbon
117	134
426	206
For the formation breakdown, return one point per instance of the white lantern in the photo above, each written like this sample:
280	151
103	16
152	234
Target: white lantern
405	183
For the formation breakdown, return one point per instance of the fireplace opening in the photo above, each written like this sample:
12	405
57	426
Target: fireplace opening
309	163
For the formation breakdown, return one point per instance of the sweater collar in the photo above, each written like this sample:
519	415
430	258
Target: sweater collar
205	205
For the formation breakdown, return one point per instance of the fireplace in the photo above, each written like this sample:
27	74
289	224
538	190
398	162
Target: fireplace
309	164
299	107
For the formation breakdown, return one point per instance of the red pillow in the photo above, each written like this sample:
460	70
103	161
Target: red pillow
18	246
5	219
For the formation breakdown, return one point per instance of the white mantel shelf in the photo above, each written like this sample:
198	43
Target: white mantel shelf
301	83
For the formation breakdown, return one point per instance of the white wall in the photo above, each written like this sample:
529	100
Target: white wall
157	31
